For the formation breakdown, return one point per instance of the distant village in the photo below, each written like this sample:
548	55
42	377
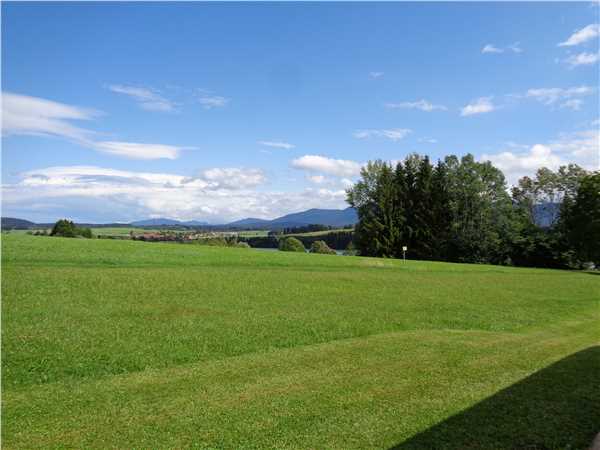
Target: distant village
174	236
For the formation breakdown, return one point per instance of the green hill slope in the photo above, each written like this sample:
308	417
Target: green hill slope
131	344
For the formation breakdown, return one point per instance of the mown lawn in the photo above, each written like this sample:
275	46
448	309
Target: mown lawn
120	344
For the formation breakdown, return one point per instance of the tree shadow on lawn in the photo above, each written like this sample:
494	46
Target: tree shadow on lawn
557	407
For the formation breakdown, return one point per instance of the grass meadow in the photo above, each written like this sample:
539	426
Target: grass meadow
122	344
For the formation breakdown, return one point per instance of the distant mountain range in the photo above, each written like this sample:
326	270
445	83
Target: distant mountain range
12	223
163	222
329	217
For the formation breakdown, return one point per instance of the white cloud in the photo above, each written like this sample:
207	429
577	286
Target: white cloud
581	148
147	99
375	75
422	104
428	140
573	104
322	164
394	134
212	101
489	48
234	178
585	34
317	179
277	144
582	59
516	165
516	48
479	106
549	96
24	115
134	150
346	183
216	195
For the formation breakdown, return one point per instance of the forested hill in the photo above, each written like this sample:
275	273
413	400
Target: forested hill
9	223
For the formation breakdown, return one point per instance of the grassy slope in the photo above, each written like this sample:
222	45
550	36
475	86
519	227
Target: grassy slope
122	344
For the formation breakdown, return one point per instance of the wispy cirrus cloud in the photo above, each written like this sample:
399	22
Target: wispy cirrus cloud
277	144
422	104
582	35
491	48
394	134
209	101
550	96
231	178
481	105
573	104
582	59
213	101
375	75
25	115
148	99
516	47
136	150
331	166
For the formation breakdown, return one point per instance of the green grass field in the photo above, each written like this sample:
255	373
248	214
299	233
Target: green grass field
121	231
253	233
121	344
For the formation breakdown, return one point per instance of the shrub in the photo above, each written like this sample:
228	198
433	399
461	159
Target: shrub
291	244
85	232
242	245
213	242
350	250
321	247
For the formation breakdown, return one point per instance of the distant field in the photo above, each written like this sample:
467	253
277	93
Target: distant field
120	231
125	231
122	344
322	233
253	233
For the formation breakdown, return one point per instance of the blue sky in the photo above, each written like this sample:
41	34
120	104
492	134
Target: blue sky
213	111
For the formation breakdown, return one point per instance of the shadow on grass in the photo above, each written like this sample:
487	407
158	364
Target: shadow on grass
555	408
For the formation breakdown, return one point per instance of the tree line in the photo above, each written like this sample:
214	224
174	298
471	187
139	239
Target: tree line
460	210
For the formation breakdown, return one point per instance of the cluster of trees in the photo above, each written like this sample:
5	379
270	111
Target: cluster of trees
322	248
292	244
338	240
311	228
66	228
460	210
